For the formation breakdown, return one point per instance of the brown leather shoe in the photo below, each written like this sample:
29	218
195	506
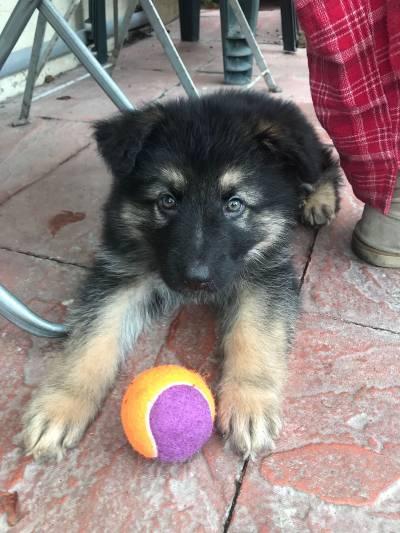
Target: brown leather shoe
376	237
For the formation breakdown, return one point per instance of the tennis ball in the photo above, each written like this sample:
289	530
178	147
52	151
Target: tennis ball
168	413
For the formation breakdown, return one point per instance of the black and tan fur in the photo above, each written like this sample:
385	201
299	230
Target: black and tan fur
205	195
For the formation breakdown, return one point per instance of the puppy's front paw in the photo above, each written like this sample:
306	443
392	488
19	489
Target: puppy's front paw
249	417
55	421
317	215
321	206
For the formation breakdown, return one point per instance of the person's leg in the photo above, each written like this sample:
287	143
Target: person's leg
355	87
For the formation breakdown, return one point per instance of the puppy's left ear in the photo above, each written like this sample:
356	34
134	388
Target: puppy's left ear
297	153
121	138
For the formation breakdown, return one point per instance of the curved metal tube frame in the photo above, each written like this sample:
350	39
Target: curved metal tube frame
19	314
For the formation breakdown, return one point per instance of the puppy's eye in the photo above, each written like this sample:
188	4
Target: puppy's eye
233	207
166	202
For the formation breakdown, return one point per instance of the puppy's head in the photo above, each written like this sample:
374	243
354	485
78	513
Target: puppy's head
205	187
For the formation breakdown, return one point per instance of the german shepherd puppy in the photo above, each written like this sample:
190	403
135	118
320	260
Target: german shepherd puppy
204	198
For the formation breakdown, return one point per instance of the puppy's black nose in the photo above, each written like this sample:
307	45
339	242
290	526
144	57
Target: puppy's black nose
197	276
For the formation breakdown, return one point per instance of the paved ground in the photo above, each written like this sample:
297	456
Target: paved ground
336	467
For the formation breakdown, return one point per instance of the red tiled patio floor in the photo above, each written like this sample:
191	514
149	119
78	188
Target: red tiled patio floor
336	467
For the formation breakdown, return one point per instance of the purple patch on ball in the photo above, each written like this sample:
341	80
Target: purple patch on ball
180	421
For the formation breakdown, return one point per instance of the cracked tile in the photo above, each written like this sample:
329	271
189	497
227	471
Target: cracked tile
325	472
338	284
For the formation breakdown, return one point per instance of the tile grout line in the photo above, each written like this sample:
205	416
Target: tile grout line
332	317
359	324
232	507
165	92
246	462
305	269
44	257
60	164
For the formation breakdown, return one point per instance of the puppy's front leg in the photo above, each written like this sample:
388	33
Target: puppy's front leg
103	327
255	347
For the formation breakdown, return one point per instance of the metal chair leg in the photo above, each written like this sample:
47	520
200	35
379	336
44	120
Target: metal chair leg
15	25
19	314
85	57
32	71
251	41
165	40
38	61
54	38
123	29
169	48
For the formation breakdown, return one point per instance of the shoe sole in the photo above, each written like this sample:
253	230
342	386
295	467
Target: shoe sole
373	256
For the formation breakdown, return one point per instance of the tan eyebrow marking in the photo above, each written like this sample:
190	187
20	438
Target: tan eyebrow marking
234	181
251	196
230	179
173	177
167	178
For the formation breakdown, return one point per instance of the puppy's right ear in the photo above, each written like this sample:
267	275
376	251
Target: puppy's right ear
121	138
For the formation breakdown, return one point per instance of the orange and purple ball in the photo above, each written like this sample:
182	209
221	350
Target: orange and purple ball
168	413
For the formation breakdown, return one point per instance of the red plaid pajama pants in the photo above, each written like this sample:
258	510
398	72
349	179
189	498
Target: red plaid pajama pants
353	49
